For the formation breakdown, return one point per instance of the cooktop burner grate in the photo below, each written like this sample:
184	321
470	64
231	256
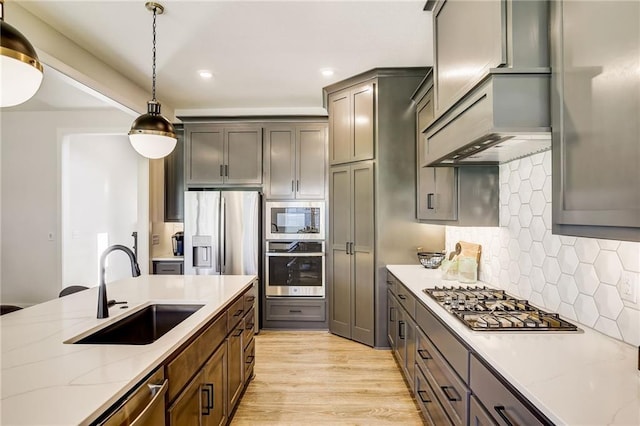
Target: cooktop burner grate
487	309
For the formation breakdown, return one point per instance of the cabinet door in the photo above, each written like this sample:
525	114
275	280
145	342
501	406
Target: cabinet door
187	408
214	386
362	252
310	162
362	98
243	155
339	270
392	319
446	196
410	344
469	40
340	133
280	162
235	366
174	182
596	153
204	154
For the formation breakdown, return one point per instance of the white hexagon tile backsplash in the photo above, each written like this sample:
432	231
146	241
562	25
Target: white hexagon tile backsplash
582	279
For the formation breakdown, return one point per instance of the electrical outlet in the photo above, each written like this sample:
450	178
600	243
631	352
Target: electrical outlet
155	239
628	287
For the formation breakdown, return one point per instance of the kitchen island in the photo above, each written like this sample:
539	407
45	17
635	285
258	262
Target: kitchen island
573	378
46	381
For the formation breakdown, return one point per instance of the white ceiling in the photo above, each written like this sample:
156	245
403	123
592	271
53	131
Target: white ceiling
263	54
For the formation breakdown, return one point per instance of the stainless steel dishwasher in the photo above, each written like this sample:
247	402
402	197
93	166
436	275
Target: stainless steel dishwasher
143	406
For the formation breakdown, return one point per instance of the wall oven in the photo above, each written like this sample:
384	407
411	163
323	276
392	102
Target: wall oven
294	220
295	268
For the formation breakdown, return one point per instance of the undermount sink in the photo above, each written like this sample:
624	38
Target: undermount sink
141	327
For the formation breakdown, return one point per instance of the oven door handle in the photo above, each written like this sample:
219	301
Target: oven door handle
295	254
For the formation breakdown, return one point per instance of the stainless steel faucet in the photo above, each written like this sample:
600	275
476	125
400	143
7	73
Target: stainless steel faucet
103	308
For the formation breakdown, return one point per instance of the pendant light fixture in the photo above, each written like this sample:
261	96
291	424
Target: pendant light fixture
151	134
20	69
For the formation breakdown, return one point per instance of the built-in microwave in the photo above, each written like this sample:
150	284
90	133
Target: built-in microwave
295	220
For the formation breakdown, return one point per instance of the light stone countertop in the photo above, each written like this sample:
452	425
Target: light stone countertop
48	382
167	258
583	378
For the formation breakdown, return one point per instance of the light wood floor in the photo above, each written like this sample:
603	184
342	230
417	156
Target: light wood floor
314	377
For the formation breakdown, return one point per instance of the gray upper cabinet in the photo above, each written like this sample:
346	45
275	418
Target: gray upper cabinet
473	37
595	116
295	161
491	80
437	189
221	154
351	124
464	53
174	181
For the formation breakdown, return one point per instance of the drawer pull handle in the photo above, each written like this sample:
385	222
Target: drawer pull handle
250	299
401	325
250	359
249	326
391	312
402	296
238	333
207	390
502	412
455	397
424	354
295	311
423	396
238	313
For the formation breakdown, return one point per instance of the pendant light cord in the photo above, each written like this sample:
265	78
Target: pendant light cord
153	87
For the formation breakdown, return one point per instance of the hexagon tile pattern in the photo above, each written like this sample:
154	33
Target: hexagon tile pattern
580	278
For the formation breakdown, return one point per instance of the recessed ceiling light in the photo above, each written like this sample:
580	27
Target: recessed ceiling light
205	74
327	72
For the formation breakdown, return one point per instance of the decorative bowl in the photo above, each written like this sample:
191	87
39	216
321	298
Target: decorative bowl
430	260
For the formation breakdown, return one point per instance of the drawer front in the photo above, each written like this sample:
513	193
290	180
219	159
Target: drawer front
249	326
433	412
249	298
406	299
392	283
451	349
236	312
295	311
249	359
450	390
167	268
500	402
184	366
478	416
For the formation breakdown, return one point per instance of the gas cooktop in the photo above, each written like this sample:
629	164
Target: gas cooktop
487	309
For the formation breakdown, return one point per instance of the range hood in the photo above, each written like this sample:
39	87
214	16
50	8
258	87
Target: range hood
505	117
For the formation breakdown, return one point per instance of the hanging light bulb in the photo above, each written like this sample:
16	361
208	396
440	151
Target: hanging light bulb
20	69
151	134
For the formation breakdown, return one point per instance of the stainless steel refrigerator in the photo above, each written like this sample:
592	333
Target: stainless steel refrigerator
221	234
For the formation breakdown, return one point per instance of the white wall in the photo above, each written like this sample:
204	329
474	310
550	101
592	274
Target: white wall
580	278
99	205
31	200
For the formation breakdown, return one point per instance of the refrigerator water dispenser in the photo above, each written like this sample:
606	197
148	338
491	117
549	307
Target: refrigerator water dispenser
201	251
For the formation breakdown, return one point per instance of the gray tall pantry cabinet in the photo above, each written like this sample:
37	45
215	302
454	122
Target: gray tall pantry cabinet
371	196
